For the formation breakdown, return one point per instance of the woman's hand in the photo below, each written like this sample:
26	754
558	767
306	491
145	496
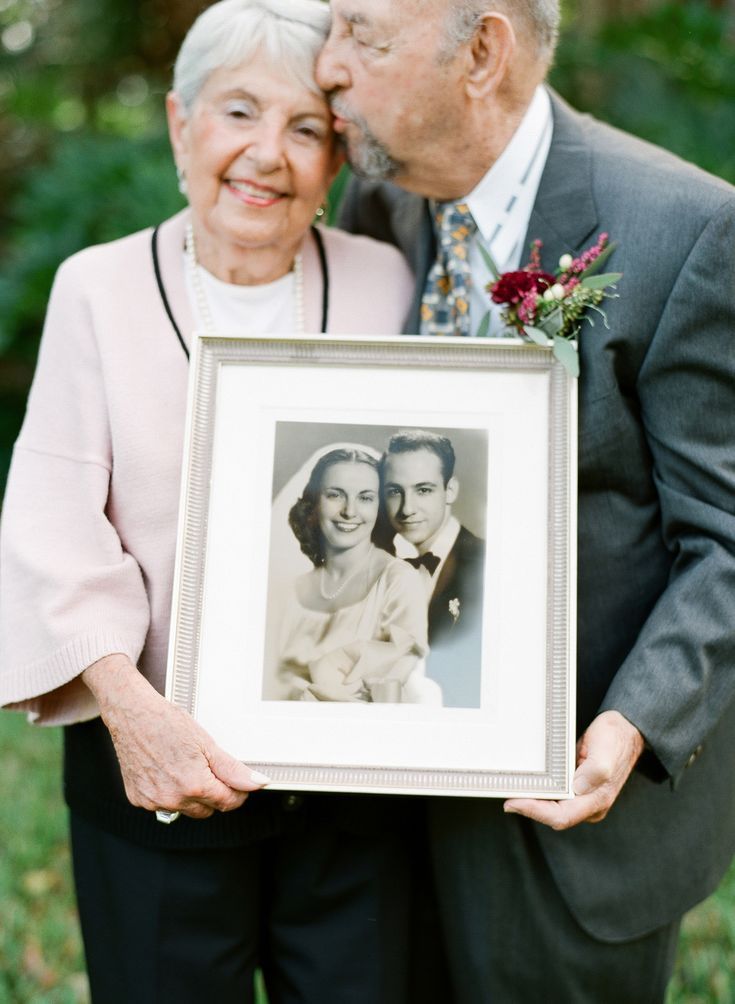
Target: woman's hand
167	760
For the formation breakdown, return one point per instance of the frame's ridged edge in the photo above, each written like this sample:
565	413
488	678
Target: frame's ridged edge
461	353
557	698
399	777
195	518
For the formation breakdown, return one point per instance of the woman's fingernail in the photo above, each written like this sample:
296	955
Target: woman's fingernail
257	778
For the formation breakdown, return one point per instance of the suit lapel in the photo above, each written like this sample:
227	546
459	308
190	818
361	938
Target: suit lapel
446	575
564	215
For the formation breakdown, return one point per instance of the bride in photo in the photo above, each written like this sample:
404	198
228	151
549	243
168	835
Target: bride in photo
354	627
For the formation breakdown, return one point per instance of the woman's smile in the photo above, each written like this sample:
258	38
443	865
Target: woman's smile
348	504
258	153
254	194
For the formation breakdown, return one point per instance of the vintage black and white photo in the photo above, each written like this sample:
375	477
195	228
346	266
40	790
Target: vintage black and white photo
376	578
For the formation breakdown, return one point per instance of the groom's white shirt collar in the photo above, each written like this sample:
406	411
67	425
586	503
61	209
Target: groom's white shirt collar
502	202
440	545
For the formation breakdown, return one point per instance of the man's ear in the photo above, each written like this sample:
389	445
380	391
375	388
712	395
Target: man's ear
452	490
177	122
490	50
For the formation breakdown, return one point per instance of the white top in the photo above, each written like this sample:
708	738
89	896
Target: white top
501	205
266	309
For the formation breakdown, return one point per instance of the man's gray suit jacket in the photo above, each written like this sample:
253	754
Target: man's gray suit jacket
656	622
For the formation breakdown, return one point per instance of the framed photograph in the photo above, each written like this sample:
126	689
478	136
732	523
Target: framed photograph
375	582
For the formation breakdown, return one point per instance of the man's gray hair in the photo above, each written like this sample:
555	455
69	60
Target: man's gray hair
229	33
539	17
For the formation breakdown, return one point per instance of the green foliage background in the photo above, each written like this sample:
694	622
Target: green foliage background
84	158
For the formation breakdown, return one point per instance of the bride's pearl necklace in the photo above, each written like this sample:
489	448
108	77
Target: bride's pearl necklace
200	293
364	564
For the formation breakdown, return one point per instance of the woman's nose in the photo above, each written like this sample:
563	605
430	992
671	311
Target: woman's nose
266	149
348	508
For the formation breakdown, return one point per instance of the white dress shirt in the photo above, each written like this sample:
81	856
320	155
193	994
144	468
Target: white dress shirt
440	544
501	205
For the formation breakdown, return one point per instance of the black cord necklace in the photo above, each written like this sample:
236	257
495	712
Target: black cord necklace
319	240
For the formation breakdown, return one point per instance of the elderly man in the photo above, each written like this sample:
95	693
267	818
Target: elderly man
446	99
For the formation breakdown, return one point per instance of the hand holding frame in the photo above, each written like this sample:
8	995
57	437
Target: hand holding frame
606	754
167	760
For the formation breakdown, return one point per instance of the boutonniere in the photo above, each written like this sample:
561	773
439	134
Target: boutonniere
454	609
545	308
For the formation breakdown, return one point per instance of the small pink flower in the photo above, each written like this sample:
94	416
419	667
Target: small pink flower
534	264
527	308
590	255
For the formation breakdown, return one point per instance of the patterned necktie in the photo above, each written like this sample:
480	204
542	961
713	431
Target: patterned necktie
445	306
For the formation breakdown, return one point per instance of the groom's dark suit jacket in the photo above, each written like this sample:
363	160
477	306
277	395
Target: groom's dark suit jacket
455	642
656	623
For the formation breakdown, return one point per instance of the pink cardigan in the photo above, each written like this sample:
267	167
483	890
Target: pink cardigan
89	520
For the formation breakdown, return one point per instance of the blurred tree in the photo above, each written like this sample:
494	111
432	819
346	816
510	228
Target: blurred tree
83	154
97	64
666	74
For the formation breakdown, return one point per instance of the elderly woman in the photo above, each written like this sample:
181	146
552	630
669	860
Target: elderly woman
310	889
355	628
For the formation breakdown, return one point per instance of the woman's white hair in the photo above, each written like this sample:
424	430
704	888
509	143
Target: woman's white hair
230	32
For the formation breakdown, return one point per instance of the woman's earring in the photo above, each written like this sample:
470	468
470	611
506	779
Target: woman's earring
321	210
181	176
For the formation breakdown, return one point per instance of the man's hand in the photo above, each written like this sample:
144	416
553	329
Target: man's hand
606	754
167	760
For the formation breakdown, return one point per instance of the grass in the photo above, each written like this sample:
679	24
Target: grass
40	950
705	971
41	960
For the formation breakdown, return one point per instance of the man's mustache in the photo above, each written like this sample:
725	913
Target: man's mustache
339	107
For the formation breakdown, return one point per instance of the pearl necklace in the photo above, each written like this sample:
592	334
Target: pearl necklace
200	293
333	596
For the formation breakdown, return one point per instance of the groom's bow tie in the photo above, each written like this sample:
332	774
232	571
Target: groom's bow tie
429	561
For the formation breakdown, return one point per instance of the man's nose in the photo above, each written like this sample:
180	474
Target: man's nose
408	505
331	73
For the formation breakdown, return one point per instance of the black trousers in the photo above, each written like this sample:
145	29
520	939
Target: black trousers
323	911
510	936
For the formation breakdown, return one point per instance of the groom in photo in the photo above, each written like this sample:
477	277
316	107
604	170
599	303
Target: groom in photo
419	488
444	112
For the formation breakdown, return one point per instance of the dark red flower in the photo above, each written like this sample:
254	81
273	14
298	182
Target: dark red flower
511	287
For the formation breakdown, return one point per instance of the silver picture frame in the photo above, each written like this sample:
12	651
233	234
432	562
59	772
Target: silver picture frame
512	409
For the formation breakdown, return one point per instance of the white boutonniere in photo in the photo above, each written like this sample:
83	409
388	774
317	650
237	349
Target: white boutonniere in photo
454	609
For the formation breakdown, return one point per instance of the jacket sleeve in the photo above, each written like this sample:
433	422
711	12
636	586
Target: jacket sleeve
680	675
69	593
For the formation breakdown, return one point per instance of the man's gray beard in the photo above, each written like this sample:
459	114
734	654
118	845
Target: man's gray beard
368	157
